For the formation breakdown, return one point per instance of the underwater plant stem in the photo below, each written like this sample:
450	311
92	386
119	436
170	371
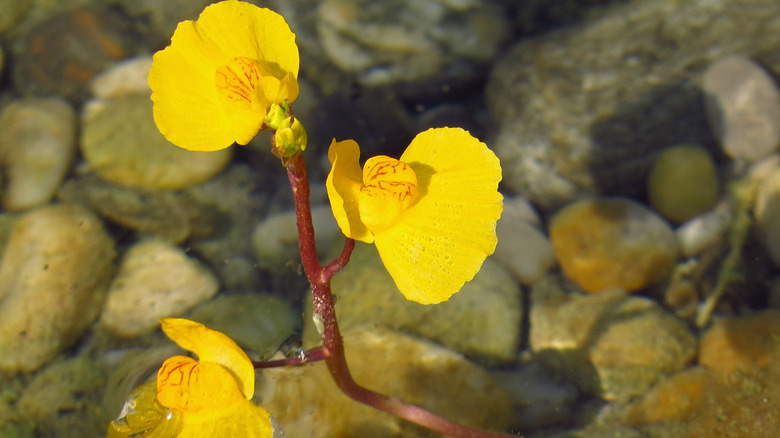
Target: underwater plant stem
325	319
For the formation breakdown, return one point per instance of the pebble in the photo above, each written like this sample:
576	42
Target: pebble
2	59
120	141
63	53
742	344
767	214
155	280
259	322
683	183
306	402
64	397
743	107
36	149
584	111
704	231
275	240
124	78
170	215
404	41
481	321
605	243
522	247
610	344
13	12
53	276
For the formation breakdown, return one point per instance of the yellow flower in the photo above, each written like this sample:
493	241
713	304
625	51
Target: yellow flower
432	214
206	398
217	80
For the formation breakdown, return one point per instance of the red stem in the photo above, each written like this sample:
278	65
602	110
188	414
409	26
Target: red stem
325	312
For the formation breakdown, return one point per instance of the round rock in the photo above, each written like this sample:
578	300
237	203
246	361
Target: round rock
52	283
743	107
767	213
155	280
37	147
683	183
120	141
612	243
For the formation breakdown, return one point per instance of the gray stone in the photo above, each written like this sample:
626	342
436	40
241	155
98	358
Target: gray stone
53	276
584	110
37	147
121	143
124	78
155	280
522	247
482	320
609	344
743	107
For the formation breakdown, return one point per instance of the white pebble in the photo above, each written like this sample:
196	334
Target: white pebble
126	77
743	107
703	231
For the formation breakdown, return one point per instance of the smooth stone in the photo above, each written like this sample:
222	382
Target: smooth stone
683	183
124	78
37	148
610	344
53	276
410	41
306	401
767	214
704	231
482	320
584	110
258	322
743	107
120	141
60	54
65	397
742	344
608	243
13	12
522	247
275	240
170	215
155	280
700	403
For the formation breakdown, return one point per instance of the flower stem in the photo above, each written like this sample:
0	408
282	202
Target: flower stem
325	314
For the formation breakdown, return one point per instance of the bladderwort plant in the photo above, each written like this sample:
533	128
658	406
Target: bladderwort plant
431	214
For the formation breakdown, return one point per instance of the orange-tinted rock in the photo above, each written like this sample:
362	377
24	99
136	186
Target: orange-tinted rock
64	53
742	344
608	243
672	399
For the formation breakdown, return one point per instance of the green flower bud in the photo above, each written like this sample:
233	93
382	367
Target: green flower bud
290	137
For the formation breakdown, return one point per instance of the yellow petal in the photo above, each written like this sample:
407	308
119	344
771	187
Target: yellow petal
237	28
213	346
187	105
344	183
243	420
442	240
202	389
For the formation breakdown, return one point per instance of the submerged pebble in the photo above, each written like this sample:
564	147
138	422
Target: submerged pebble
482	320
742	344
522	247
120	141
306	401
124	78
767	214
155	280
683	183
37	145
743	107
608	243
611	344
53	276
